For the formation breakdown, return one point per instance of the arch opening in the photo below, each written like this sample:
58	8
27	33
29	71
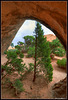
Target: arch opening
51	14
60	72
15	30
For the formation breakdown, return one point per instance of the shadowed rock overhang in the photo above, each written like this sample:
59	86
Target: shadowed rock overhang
51	14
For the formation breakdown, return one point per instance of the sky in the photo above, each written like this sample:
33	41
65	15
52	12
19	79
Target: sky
28	28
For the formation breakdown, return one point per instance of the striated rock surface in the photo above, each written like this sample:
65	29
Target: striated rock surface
59	89
14	13
50	37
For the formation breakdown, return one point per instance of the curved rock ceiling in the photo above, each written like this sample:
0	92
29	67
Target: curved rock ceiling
52	14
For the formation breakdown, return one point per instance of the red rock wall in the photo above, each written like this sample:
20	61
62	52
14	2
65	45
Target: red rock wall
59	90
50	37
51	14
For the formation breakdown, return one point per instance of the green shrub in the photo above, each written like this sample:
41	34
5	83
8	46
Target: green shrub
5	52
57	48
55	43
6	68
18	47
8	83
31	67
21	55
31	52
20	43
11	54
29	41
14	63
62	63
59	51
18	85
7	80
17	51
50	72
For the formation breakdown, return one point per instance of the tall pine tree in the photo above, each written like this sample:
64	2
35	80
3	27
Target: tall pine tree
42	54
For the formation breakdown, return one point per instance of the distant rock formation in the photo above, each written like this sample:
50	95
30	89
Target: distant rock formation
51	14
50	37
10	48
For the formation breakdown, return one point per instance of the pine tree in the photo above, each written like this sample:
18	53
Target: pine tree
42	54
29	40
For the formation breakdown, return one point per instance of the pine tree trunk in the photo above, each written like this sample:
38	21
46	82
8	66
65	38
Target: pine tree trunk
35	60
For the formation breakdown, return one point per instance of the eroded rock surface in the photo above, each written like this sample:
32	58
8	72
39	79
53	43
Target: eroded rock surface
14	13
60	89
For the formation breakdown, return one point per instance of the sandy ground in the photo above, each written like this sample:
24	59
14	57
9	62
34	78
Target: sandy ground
37	90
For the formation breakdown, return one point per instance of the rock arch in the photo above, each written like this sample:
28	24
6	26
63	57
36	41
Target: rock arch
51	14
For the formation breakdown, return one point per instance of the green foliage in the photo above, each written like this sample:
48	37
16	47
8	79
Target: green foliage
7	80
59	51
5	52
57	48
20	43
55	43
29	41
17	65
6	68
18	85
11	54
62	63
21	55
17	51
49	72
31	52
31	67
12	45
8	83
14	63
18	47
43	53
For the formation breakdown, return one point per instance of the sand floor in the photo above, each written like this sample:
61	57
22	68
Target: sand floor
37	90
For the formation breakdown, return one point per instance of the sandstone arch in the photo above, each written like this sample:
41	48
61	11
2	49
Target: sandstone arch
51	14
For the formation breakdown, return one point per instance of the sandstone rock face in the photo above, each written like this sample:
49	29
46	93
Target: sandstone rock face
60	89
10	48
51	14
50	37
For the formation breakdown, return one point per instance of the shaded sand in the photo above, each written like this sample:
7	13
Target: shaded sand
37	90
